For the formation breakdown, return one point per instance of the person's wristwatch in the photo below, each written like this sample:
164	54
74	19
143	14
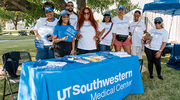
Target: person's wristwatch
160	50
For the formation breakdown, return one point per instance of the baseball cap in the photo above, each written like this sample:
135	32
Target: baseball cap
48	9
107	14
64	12
138	12
121	7
158	19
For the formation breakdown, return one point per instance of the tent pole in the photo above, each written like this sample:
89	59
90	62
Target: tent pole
171	25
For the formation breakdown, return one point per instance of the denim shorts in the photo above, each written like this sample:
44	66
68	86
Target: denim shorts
44	53
103	47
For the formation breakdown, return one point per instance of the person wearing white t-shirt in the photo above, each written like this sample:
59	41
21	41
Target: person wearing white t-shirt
158	43
122	32
44	30
137	29
88	31
72	17
108	38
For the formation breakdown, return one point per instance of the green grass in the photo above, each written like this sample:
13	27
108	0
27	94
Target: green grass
15	36
154	89
16	46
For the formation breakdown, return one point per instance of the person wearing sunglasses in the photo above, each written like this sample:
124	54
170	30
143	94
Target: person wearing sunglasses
72	17
64	36
137	29
122	23
88	31
44	30
158	43
108	38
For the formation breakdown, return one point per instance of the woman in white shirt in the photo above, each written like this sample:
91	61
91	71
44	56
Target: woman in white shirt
158	43
108	38
44	30
137	29
122	23
88	31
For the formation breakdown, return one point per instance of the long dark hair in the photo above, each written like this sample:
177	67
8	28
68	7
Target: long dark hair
60	21
104	19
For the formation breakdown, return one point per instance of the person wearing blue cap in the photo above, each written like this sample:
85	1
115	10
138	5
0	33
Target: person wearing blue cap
137	29
158	43
44	30
64	36
122	32
108	38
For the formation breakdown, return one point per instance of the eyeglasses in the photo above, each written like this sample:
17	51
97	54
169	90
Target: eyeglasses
70	5
88	13
157	22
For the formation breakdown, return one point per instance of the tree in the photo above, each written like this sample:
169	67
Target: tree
13	16
33	8
103	7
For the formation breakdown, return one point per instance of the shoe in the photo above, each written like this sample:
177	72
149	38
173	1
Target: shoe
160	77
151	77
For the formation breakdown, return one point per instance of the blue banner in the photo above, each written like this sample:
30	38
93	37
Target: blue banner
39	44
70	32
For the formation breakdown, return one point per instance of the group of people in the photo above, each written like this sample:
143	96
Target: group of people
90	34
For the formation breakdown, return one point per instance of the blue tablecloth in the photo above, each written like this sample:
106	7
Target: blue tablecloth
111	79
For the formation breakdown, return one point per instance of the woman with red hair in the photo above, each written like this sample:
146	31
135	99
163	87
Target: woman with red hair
89	31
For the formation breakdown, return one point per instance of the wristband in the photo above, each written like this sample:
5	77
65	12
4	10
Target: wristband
160	50
98	37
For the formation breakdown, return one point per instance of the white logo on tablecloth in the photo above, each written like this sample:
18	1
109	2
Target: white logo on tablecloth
96	84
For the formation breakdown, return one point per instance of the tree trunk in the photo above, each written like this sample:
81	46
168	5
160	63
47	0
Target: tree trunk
15	22
15	26
16	5
61	4
80	5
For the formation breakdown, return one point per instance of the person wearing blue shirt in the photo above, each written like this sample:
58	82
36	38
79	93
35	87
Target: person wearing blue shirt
64	36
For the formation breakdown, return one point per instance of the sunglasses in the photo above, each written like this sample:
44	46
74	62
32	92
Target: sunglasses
157	22
88	13
70	5
136	15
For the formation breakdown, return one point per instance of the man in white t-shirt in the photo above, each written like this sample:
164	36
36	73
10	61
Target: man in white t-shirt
72	17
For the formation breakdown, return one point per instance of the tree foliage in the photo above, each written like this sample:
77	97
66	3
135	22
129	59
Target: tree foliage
103	6
12	16
33	8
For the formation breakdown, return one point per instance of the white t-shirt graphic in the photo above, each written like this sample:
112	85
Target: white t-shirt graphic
138	32
45	28
121	25
158	36
88	32
108	39
73	19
